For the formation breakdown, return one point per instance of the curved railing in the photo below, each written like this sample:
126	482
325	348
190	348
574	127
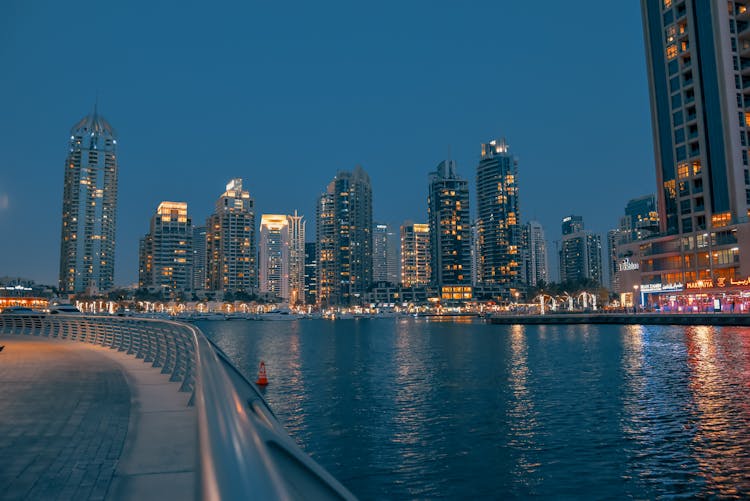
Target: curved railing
245	453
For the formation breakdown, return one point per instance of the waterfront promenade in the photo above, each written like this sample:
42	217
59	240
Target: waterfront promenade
98	407
80	421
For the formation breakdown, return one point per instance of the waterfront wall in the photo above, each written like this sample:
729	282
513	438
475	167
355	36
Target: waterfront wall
718	319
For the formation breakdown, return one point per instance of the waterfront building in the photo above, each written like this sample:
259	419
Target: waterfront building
230	242
344	238
281	256
89	212
450	232
498	218
311	271
696	57
385	260
273	261
535	254
580	252
166	251
415	254
296	258
199	258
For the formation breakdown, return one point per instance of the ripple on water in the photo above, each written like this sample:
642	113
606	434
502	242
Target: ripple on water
411	409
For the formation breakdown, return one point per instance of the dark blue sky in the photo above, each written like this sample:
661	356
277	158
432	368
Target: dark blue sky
284	94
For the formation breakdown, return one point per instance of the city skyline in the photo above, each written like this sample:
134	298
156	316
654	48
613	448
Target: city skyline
169	125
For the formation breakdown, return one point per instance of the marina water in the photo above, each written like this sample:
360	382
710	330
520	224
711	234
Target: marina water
412	408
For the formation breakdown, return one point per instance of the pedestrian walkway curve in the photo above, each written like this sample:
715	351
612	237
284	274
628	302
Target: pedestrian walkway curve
80	421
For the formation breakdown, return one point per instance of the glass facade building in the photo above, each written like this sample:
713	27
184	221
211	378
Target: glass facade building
89	212
166	252
450	227
498	219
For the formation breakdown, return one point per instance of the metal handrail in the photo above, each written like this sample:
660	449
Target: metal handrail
245	453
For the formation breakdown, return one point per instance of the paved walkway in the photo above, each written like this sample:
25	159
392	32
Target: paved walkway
84	422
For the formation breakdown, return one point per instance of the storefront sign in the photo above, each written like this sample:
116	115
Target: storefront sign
627	265
720	282
671	287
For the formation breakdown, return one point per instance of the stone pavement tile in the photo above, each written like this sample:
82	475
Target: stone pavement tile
71	411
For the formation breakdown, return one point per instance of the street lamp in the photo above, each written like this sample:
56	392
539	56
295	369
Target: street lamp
636	303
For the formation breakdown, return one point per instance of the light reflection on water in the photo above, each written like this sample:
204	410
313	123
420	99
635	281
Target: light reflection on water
408	408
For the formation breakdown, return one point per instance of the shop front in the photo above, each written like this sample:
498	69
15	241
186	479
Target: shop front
704	296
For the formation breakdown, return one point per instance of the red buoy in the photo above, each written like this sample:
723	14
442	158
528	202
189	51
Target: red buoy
262	379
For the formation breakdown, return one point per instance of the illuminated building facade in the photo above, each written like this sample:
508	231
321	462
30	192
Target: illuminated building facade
344	238
281	262
450	232
273	263
697	53
311	273
535	249
200	258
384	255
230	242
415	254
166	252
498	219
87	250
296	259
580	252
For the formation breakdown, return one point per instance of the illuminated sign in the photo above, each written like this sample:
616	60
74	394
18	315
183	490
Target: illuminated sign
627	265
671	287
720	282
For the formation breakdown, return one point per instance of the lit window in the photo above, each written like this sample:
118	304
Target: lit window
671	51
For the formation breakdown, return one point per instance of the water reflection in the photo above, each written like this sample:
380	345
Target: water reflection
522	416
718	362
404	409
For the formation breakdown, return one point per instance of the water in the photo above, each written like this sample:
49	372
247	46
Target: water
407	408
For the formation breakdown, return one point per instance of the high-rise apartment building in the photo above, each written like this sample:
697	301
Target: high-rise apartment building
281	256
311	273
498	219
273	261
697	53
535	252
230	242
344	238
296	258
580	252
199	258
384	255
450	227
415	254
89	212
166	252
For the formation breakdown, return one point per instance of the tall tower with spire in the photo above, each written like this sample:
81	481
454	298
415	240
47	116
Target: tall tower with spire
87	249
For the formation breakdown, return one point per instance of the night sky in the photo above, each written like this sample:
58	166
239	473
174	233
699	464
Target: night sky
285	94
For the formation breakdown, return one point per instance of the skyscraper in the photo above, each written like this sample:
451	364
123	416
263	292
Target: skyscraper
311	273
89	212
166	252
273	263
384	255
450	226
296	258
415	254
199	258
697	53
580	252
344	238
498	219
281	262
536	253
230	242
